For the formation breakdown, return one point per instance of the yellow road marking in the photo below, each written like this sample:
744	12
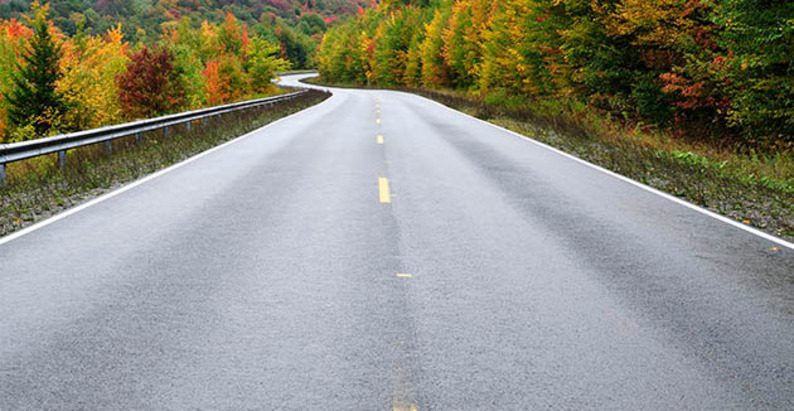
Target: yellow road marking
383	190
380	139
401	407
377	121
404	275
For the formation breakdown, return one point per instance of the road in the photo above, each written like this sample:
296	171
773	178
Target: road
380	251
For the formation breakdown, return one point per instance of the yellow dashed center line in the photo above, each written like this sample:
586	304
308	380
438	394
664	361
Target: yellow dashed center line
404	275
380	139
377	121
383	190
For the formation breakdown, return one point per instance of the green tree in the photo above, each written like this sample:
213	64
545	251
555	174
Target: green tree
760	37
263	64
34	99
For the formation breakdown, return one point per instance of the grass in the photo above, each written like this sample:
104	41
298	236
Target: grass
749	186
38	188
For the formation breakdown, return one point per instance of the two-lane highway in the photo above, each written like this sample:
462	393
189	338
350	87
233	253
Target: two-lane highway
380	251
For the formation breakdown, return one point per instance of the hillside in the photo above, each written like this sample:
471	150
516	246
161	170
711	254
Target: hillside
142	20
297	25
718	71
71	65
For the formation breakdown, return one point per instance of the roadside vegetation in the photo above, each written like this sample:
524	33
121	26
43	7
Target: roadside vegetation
294	26
63	68
695	98
54	84
69	66
38	188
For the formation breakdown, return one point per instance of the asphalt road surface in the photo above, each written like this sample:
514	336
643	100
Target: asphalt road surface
380	251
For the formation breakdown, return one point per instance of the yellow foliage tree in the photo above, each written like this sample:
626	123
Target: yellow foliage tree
89	67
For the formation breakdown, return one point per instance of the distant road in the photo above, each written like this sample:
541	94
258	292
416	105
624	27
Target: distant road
380	251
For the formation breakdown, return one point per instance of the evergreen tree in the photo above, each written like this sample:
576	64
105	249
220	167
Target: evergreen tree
34	98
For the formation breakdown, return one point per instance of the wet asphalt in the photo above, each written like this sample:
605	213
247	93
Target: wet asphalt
264	275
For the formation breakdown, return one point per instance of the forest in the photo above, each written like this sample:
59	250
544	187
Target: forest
718	71
73	65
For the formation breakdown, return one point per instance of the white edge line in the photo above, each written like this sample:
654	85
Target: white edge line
650	189
66	213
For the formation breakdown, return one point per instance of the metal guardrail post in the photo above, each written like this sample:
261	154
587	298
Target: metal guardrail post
189	126
138	138
165	131
108	147
2	175
62	159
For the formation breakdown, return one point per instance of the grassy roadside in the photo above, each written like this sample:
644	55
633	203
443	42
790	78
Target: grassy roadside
37	188
753	188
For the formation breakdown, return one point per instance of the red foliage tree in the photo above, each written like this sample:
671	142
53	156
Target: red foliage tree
151	86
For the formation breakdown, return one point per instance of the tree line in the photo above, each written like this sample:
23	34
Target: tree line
719	70
293	23
51	82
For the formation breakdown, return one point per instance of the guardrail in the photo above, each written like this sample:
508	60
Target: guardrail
10	153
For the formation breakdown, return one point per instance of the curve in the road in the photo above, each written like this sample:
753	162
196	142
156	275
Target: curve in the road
379	251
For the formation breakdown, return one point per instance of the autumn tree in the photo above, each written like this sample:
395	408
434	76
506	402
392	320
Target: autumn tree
392	38
90	65
696	65
151	85
346	54
463	39
520	51
434	69
232	36
225	79
413	60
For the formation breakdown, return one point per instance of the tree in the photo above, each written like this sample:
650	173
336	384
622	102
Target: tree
295	46
232	37
391	46
463	39
13	39
263	65
34	99
434	68
413	63
151	86
225	79
674	43
708	67
760	38
90	65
